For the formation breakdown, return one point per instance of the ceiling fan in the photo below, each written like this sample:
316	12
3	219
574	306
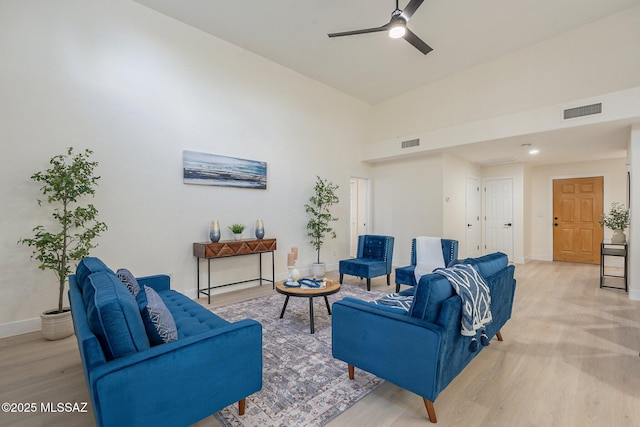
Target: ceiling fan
397	27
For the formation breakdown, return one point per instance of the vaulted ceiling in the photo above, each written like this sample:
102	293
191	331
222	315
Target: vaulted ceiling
373	67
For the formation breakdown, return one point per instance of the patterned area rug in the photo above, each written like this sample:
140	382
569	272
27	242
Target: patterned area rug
303	385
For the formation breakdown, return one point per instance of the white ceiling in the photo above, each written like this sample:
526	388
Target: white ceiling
374	68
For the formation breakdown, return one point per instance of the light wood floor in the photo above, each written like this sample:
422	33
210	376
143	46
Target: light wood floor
569	358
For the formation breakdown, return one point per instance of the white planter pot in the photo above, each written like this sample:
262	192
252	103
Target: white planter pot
618	237
57	325
318	269
237	236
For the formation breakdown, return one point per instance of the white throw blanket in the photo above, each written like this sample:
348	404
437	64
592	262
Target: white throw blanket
428	255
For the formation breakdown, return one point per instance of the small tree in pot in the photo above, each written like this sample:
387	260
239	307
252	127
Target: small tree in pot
70	177
319	208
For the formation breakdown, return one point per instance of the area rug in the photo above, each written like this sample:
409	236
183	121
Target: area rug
302	384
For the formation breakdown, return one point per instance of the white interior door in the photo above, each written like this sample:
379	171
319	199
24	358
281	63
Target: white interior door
359	211
474	206
498	204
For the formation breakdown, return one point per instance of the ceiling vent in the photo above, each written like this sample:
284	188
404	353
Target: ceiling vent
497	161
585	110
410	143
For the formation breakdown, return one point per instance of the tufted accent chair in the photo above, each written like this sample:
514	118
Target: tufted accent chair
405	275
373	259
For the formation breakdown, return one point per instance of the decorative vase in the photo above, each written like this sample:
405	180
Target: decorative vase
214	231
295	273
618	237
56	326
259	229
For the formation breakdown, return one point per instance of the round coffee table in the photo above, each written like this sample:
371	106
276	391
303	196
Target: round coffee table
331	288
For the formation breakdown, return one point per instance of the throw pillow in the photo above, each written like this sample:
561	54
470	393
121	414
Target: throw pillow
129	281
158	321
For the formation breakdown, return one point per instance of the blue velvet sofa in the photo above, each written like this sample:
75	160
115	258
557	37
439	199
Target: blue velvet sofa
422	349
207	365
406	276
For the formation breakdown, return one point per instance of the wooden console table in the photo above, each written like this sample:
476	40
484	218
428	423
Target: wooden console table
232	248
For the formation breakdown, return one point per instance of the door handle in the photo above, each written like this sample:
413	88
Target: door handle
469	225
508	224
555	224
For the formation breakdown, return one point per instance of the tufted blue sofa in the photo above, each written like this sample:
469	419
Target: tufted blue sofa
211	364
420	350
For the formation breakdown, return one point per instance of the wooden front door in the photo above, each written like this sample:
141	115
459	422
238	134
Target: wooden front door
577	205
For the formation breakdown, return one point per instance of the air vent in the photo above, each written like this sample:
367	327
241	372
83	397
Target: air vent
585	110
410	143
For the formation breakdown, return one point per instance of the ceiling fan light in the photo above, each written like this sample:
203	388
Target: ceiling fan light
397	31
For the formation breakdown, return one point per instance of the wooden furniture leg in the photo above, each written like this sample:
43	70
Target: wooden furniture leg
351	372
430	410
241	404
499	336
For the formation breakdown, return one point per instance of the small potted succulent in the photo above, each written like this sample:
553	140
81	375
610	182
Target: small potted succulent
618	221
237	230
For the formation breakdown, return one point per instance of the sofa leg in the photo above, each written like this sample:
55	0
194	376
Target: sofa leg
499	336
388	280
351	372
368	284
430	410
341	276
241	404
397	287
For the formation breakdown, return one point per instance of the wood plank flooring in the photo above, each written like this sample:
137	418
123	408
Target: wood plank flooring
570	357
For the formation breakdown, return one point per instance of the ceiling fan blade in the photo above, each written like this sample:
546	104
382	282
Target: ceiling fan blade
365	31
417	42
411	9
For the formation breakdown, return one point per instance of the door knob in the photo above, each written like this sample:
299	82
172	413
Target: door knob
555	224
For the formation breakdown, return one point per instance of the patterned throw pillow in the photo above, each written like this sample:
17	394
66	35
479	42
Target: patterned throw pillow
129	281
396	301
157	319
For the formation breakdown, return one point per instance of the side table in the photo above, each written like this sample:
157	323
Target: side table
232	248
608	249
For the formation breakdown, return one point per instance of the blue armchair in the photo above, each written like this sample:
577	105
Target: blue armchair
374	259
406	276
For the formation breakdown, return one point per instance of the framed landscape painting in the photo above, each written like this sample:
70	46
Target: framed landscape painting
211	169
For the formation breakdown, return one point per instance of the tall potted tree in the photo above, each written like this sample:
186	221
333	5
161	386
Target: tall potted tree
70	237
318	227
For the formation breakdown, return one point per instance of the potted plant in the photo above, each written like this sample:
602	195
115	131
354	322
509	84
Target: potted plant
318	227
237	230
618	221
70	237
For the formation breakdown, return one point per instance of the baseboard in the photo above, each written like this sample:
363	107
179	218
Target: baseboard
634	295
541	257
20	327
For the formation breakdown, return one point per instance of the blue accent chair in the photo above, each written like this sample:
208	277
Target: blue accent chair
406	276
374	258
421	350
212	364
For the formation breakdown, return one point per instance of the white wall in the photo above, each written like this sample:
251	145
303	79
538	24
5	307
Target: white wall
407	201
138	88
634	229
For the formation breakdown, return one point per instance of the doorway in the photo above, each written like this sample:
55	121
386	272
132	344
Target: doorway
577	205
474	206
498	208
359	208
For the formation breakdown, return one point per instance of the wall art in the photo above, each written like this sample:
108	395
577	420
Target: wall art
211	169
